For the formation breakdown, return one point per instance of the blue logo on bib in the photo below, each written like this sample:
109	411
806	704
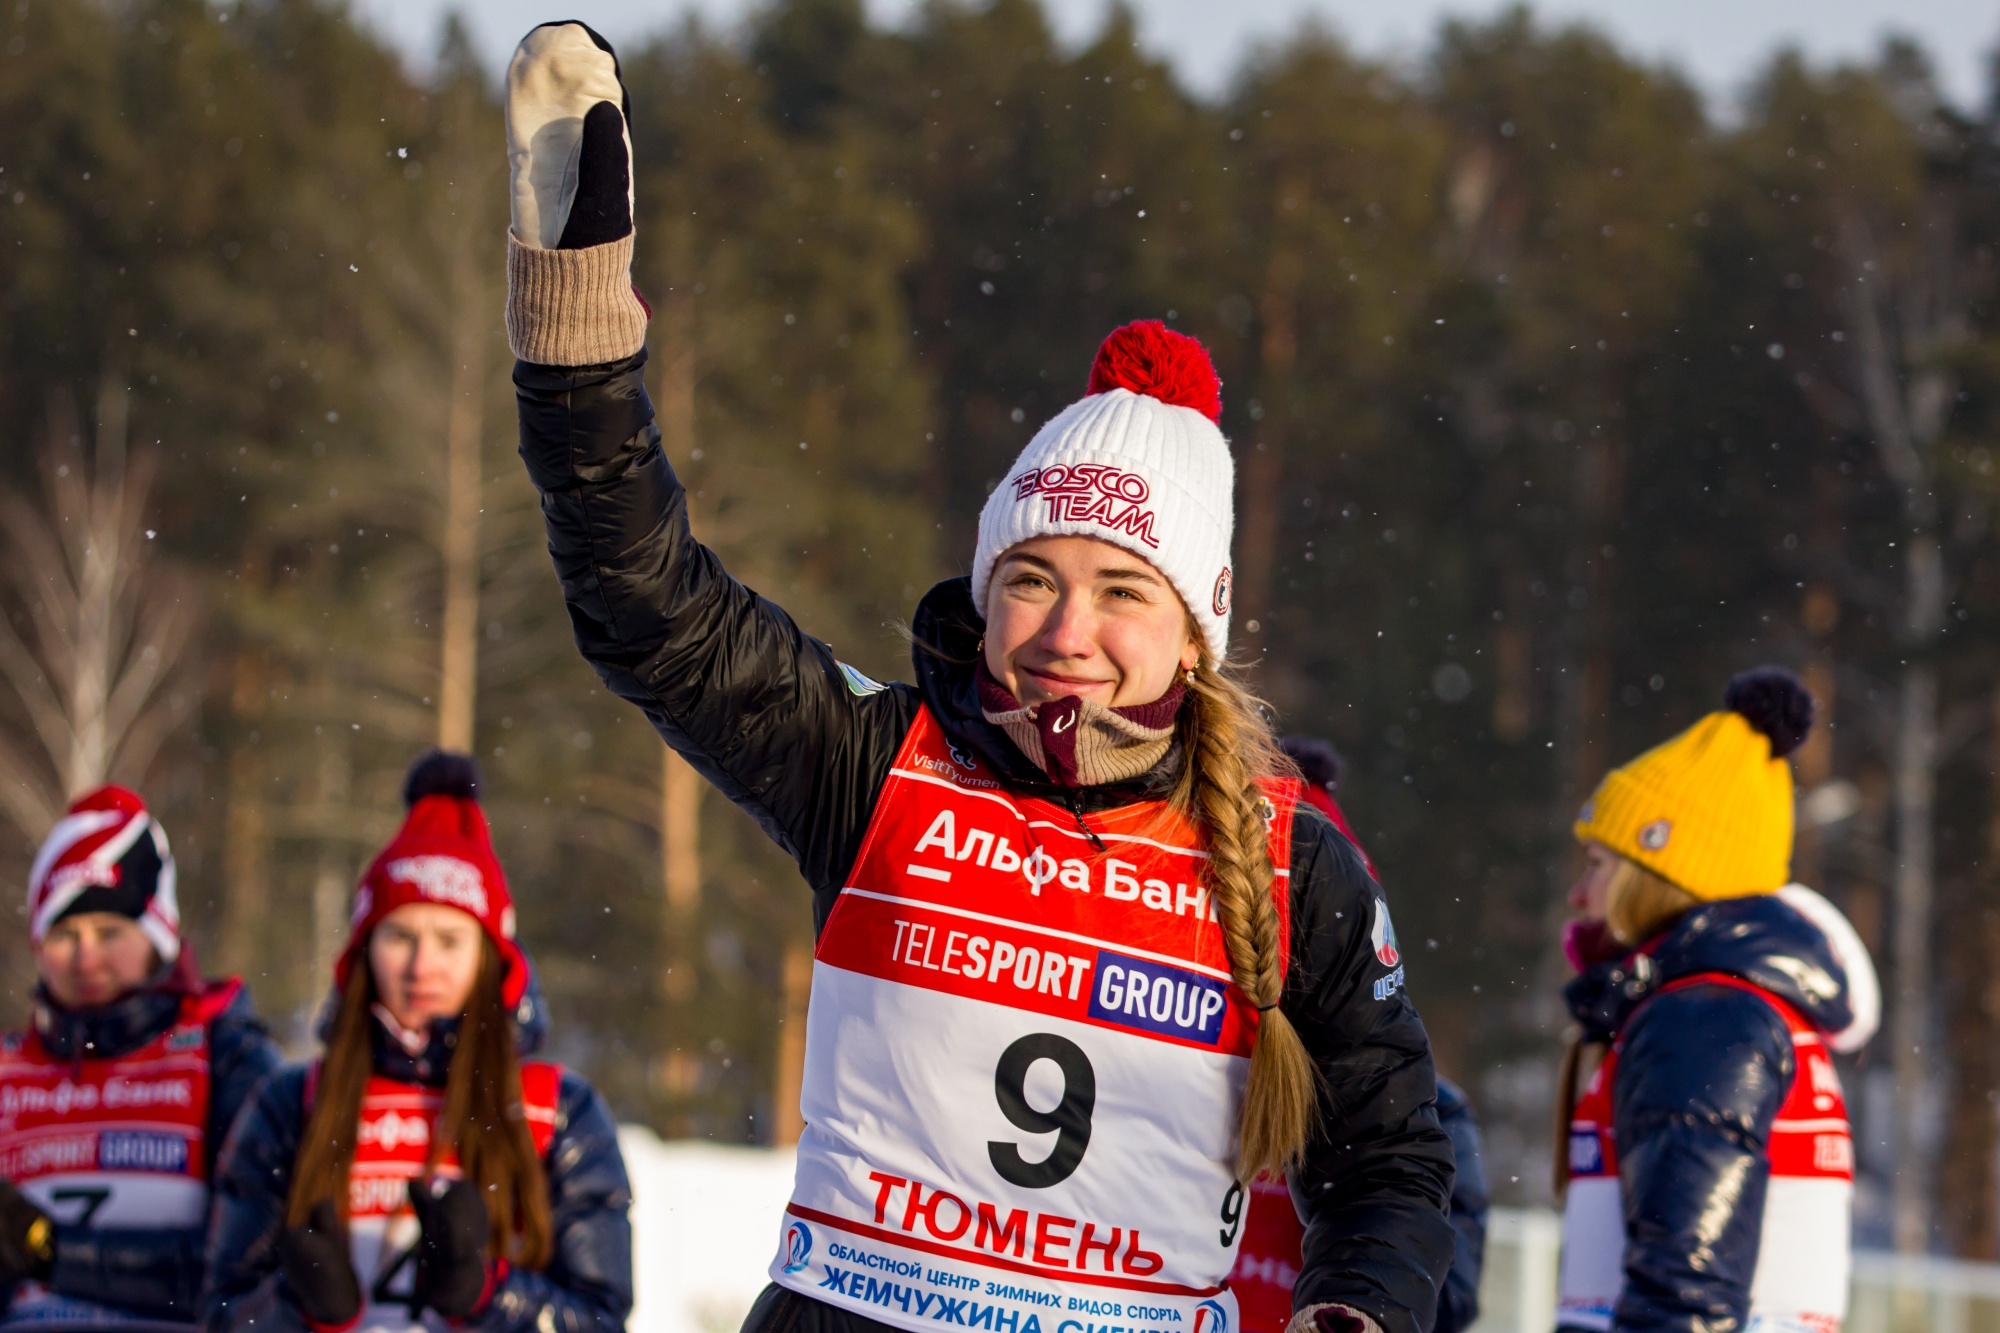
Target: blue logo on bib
1158	997
136	1150
1210	1317
798	1247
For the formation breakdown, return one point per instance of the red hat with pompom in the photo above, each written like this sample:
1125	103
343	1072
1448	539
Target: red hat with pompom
443	854
1140	462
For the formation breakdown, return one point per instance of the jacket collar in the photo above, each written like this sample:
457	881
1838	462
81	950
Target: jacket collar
108	1031
425	1057
947	630
1760	940
412	1057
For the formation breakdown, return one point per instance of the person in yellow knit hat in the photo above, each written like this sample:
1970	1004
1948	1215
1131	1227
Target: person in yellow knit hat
1704	1155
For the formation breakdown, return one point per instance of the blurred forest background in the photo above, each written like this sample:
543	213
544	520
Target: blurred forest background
1558	397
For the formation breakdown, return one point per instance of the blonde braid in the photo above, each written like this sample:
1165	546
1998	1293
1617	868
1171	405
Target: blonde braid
1229	746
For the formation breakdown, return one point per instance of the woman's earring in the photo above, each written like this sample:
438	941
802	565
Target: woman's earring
980	647
1190	675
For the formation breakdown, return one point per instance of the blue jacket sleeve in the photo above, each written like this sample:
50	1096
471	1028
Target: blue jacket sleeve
587	1287
1458	1300
247	1211
1700	1079
157	1270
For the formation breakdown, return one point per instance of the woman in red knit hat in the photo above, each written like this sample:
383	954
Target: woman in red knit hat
1085	962
423	1173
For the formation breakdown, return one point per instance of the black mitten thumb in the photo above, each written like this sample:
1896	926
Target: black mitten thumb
314	1262
451	1257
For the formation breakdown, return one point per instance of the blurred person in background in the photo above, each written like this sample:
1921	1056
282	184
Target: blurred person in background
1268	1264
424	1174
115	1100
1083	961
1705	1157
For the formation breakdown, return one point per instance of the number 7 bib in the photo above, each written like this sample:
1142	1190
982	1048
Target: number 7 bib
1024	1066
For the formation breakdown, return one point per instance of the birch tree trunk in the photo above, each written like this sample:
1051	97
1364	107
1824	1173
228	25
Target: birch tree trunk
1259	525
105	630
246	842
680	823
458	683
787	1120
680	785
1906	393
333	877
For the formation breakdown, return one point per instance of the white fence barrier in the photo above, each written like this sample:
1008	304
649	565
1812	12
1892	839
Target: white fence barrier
705	1223
1891	1293
1517	1288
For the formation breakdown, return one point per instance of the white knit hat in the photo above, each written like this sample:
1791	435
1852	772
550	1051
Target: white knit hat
1139	462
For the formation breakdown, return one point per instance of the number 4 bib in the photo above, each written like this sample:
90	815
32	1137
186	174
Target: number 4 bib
1024	1066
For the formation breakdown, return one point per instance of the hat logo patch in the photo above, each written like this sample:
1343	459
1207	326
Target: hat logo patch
1225	587
65	880
1654	836
1092	493
444	879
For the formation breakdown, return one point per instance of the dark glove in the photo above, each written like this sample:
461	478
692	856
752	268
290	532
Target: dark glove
318	1268
452	1271
27	1237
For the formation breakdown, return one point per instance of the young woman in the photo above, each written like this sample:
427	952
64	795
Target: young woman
1085	965
1706	1157
422	1173
113	1103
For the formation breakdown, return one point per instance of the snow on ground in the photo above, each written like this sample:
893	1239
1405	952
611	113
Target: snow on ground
705	1222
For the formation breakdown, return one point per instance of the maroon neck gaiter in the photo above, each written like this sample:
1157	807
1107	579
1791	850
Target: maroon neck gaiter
1080	743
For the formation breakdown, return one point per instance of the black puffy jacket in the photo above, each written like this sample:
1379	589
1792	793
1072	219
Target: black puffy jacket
154	1272
1701	1075
766	714
587	1287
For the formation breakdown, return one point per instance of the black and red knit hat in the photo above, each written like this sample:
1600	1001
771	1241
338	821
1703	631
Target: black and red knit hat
107	855
443	854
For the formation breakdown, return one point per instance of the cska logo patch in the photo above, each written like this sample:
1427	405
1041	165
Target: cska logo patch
1384	937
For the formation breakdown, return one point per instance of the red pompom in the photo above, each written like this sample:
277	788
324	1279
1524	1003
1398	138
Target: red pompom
1148	357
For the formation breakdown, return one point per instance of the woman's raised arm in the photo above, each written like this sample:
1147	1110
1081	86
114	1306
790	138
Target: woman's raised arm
761	709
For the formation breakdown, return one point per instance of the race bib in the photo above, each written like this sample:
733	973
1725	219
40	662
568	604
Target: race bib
1025	1063
106	1143
391	1148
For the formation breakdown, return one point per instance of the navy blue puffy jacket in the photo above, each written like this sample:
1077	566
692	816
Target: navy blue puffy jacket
587	1287
1701	1077
1458	1298
152	1271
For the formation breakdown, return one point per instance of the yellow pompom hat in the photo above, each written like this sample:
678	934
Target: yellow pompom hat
1711	810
